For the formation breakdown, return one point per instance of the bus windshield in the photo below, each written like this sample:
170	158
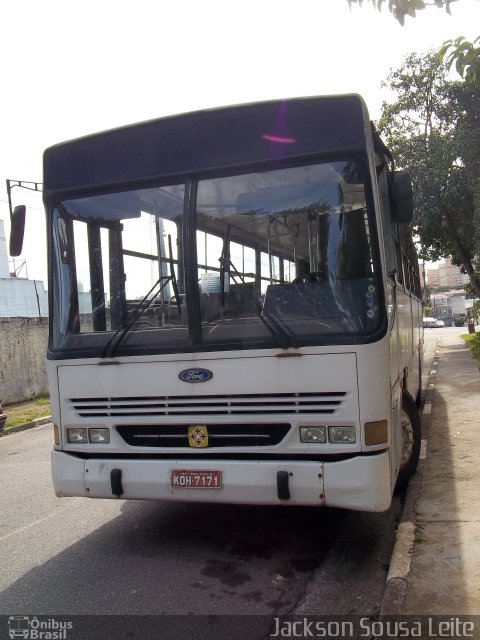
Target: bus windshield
282	257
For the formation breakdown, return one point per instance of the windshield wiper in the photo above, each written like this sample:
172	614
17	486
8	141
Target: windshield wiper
144	304
283	339
139	310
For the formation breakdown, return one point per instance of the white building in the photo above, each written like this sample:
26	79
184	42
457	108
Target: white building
19	297
451	304
4	270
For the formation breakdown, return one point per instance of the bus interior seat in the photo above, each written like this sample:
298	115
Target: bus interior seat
237	302
300	299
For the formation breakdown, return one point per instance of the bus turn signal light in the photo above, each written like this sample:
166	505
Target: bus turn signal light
376	432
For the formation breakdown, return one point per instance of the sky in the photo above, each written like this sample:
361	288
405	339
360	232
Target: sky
74	68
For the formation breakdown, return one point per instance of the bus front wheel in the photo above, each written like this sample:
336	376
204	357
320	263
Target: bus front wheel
410	440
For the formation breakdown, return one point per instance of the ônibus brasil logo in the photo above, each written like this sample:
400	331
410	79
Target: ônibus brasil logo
31	628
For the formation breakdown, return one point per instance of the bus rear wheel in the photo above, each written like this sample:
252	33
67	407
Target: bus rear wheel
411	436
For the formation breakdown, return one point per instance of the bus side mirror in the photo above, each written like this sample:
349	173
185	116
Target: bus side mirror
17	230
402	197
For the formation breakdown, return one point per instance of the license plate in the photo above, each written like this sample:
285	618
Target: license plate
189	479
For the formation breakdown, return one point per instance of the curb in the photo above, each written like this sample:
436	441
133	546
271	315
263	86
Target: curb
27	425
394	597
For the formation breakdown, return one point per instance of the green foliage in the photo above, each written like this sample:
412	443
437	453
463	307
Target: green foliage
419	537
432	130
473	342
402	8
465	56
469	291
458	287
42	395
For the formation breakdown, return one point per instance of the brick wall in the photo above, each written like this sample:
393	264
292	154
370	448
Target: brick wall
23	348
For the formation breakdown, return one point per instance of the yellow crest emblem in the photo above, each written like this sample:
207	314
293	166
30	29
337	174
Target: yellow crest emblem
198	436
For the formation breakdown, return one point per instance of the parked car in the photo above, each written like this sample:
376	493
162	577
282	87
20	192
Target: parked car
3	417
430	323
440	324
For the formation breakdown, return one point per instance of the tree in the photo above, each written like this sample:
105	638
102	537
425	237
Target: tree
432	130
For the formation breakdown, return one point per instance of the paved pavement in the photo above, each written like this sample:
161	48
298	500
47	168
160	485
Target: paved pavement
435	568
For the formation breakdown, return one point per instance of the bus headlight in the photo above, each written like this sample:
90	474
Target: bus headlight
76	435
313	434
99	436
342	435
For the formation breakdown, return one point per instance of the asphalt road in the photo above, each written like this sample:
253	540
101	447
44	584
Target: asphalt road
90	557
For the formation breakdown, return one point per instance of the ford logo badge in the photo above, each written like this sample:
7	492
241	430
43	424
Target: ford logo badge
195	375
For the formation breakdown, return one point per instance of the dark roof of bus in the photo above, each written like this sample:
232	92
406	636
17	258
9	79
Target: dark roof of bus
200	141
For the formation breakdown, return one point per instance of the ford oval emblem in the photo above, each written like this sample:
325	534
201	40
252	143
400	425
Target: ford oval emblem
195	375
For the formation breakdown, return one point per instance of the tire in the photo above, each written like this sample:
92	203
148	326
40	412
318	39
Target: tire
411	440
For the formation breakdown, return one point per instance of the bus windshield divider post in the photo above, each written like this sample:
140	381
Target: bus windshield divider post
173	278
224	261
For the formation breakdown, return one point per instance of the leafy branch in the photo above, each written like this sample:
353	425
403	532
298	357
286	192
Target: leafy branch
402	8
465	55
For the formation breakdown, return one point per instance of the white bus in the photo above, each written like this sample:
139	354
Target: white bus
235	309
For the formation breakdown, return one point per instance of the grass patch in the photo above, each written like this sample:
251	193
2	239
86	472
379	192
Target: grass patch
472	341
419	537
23	412
42	401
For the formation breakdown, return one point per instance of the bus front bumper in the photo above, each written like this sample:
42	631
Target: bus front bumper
360	483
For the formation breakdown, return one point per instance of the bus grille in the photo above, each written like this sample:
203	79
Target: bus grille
249	404
231	435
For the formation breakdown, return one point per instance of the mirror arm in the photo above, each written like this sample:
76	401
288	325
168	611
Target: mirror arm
23	184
